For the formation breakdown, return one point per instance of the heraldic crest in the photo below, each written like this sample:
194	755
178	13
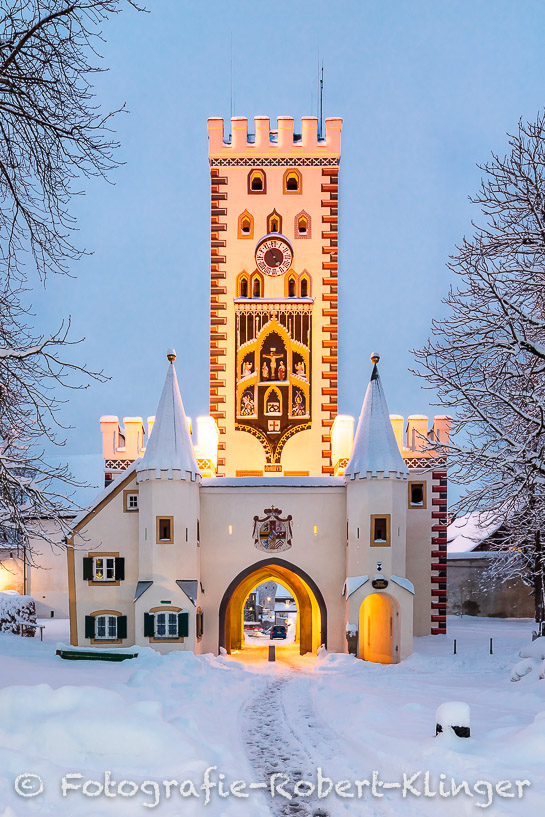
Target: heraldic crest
272	532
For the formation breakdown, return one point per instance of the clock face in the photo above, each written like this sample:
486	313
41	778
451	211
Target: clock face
273	255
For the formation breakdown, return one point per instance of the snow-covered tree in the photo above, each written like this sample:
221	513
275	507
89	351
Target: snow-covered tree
53	135
486	358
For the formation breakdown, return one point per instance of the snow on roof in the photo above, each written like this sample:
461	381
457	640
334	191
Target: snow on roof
375	446
103	494
274	481
468	531
169	447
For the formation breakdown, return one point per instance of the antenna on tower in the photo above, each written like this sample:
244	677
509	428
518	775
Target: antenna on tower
231	117
321	92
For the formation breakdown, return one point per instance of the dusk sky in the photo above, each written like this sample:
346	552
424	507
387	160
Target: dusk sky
426	90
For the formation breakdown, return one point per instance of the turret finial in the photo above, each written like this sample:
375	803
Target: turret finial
375	358
171	355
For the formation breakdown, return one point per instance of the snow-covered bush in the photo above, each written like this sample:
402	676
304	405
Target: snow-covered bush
15	609
532	655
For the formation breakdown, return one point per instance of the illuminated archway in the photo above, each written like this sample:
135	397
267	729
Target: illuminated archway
379	629
311	609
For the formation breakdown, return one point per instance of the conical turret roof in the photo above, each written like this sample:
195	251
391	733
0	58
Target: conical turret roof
169	446
375	446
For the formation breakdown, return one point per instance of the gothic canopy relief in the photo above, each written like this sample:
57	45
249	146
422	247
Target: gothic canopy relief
272	399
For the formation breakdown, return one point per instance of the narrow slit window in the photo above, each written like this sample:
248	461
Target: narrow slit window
291	288
257	289
304	288
244	288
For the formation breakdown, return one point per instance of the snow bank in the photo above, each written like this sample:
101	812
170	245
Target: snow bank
532	655
15	609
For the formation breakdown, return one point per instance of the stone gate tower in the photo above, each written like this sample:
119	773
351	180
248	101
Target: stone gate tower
273	297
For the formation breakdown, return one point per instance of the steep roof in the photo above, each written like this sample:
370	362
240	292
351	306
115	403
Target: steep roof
169	446
375	447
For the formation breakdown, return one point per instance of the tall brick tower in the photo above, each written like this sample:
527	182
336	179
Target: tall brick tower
273	297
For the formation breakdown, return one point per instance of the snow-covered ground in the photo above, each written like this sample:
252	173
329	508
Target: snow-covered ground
170	718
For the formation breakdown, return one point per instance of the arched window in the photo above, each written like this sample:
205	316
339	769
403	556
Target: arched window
244	288
304	285
256	287
293	181
256	292
290	285
302	225
245	225
274	222
257	182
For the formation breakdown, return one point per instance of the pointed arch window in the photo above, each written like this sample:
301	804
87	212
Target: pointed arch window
274	222
293	181
304	285
257	181
245	225
290	286
257	285
302	226
243	285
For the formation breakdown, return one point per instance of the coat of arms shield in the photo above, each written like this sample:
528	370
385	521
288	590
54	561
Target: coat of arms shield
272	532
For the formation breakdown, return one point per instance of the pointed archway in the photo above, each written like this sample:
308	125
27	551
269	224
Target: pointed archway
311	607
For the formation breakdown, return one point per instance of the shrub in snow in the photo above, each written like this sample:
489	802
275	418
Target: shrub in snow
14	610
522	668
534	650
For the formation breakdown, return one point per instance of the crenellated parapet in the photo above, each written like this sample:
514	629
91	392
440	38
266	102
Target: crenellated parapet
122	445
268	143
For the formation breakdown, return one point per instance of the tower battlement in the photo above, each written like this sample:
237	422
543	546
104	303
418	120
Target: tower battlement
281	141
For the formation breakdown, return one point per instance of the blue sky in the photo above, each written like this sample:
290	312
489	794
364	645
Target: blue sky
426	89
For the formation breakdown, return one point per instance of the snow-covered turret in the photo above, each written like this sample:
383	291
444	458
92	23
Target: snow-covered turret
168	480
169	451
379	596
375	447
376	477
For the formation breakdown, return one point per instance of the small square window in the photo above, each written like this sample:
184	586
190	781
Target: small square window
130	501
417	494
165	530
380	530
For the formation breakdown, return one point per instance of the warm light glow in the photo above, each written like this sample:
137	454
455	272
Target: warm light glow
342	435
230	530
315	529
207	441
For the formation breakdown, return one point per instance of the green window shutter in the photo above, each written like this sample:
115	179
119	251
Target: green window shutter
183	625
122	626
149	625
87	570
120	569
89	626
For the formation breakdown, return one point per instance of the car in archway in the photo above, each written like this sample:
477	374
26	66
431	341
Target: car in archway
279	631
